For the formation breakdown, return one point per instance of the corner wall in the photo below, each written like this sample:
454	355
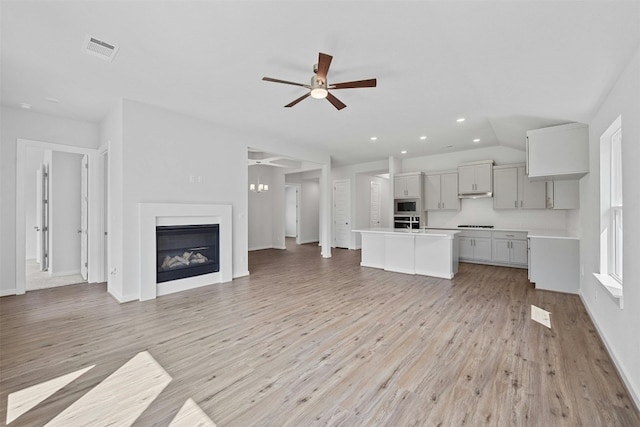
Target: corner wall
617	327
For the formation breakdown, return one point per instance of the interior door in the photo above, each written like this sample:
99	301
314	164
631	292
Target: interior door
341	213
43	216
374	215
84	217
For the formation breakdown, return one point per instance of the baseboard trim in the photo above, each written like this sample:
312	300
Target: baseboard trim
121	298
8	292
260	248
304	242
241	274
65	273
635	396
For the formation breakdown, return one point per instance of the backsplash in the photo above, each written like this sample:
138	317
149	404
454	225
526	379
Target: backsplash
481	212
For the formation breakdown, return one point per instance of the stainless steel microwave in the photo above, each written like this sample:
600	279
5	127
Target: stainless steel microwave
407	206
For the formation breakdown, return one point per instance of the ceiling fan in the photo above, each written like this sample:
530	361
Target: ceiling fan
319	88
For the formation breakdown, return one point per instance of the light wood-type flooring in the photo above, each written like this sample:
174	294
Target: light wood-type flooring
309	341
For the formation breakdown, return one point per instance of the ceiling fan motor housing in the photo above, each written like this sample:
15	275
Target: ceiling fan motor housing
318	88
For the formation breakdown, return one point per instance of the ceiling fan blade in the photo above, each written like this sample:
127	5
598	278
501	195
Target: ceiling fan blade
324	61
269	79
354	84
292	103
336	102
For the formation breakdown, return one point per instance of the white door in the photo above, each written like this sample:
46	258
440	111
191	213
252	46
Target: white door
374	215
84	216
341	213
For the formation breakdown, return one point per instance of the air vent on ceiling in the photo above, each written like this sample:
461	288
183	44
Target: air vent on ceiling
99	48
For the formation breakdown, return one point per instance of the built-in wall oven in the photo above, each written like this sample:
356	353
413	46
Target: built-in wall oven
406	221
407	207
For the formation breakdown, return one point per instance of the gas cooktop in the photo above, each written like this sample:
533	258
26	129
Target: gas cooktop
475	226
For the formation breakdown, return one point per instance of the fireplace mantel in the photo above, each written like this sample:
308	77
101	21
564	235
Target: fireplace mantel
155	214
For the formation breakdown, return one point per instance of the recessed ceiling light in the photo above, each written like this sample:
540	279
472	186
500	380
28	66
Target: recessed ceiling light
423	137
403	152
476	140
374	138
25	106
51	99
460	120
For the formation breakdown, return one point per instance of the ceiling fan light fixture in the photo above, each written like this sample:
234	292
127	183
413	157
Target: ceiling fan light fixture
319	92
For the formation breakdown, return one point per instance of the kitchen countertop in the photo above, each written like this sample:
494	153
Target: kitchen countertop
435	232
535	233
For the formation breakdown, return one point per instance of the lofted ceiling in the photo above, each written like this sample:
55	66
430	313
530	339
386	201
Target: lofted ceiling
505	67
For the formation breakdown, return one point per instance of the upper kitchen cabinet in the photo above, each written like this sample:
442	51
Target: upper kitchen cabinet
558	152
563	194
407	185
441	191
513	190
475	179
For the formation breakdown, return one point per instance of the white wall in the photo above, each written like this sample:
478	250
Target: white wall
161	151
28	125
617	327
111	135
35	158
438	162
64	213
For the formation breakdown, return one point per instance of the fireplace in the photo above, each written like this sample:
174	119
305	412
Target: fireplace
186	251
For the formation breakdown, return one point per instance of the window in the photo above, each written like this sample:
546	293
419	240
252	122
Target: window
611	209
615	244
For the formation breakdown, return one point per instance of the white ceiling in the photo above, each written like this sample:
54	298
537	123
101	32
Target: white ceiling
505	66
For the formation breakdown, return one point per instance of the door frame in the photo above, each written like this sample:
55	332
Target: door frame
95	273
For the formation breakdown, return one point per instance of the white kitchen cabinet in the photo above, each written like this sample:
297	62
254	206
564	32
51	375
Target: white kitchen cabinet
558	152
407	186
513	190
555	264
563	194
475	178
441	191
510	248
475	245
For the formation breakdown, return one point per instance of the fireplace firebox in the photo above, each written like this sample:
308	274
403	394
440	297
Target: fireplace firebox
186	251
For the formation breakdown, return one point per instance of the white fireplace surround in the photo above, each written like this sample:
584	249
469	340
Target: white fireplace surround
160	214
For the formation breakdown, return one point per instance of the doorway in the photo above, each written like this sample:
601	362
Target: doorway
292	212
64	230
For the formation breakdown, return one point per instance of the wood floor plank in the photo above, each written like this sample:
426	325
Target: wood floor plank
311	341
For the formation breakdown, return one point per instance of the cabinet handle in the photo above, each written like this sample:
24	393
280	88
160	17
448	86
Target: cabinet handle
521	203
510	235
442	205
515	203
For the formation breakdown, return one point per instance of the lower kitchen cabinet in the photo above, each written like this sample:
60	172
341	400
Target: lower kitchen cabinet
475	245
510	248
555	264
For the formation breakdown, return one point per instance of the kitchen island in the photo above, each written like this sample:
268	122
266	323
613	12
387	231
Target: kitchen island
425	252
